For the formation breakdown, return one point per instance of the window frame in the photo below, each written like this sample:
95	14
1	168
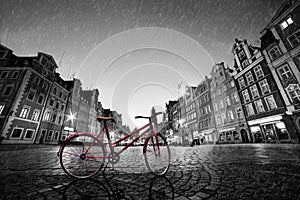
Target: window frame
259	73
244	92
252	91
249	77
273	49
262	86
25	107
25	138
283	67
257	106
12	132
241	80
267	102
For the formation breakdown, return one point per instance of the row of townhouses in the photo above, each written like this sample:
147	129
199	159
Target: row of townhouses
256	100
38	106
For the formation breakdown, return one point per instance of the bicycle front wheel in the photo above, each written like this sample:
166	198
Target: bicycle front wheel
82	156
157	154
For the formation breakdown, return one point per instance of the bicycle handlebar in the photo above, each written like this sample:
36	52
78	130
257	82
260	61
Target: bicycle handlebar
158	113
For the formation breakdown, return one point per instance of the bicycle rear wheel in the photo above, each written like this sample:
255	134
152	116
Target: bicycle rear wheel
157	154
82	156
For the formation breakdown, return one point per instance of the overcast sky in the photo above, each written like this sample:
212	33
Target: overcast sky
134	51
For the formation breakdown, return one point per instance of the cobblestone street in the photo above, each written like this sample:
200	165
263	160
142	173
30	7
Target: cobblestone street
244	171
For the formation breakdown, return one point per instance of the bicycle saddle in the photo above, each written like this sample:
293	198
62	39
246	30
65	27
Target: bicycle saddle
101	118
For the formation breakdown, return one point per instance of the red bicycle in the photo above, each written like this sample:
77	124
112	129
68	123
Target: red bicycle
82	155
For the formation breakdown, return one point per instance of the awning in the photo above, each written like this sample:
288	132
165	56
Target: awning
227	129
265	120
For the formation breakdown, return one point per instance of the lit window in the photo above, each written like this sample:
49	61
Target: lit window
1	109
230	115
29	133
223	117
35	115
241	82
258	72
294	39
285	72
254	91
249	77
24	112
235	97
271	102
259	106
286	23
221	104
264	86
47	116
245	95
249	109
216	106
275	53
294	92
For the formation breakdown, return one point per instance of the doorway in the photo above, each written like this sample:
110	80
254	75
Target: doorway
43	134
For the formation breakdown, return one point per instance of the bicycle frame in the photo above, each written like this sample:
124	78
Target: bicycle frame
114	143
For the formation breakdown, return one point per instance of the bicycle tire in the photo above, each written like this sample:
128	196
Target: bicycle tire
157	161
75	162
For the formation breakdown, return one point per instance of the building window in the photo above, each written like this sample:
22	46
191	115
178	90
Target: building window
258	72
24	112
218	119
223	117
45	86
4	74
50	135
271	102
294	39
15	74
209	109
264	86
234	97
285	72
239	113
245	95
31	95
57	105
221	104
47	116
227	101
286	23
249	109
29	133
1	109
37	80
241	54
245	63
54	118
254	91
16	133
41	99
230	115
294	92
249	77
216	106
62	108
259	106
56	135
59	119
241	82
35	115
274	52
7	90
54	91
51	102
45	72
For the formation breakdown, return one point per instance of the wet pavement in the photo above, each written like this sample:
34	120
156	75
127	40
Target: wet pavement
243	171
